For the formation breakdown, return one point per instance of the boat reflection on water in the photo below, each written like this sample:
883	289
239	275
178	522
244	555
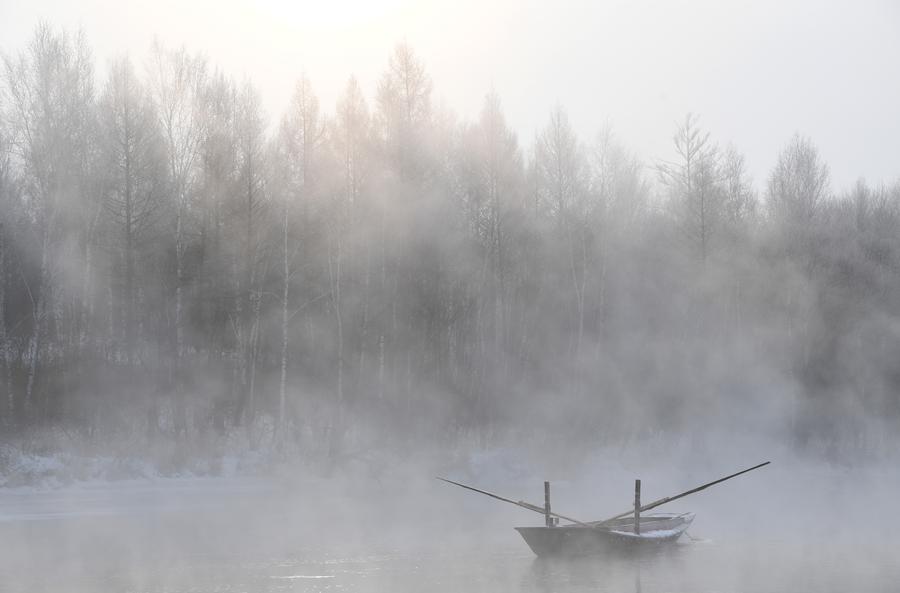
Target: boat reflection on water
618	571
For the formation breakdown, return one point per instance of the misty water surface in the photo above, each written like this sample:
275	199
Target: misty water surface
254	536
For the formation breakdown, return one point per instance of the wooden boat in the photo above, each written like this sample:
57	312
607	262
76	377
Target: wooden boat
629	530
579	540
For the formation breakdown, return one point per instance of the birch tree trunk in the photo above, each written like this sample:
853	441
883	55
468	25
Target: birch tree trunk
286	286
38	316
4	338
180	419
334	272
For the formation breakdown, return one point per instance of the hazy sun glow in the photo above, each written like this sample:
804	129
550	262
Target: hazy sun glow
338	14
638	65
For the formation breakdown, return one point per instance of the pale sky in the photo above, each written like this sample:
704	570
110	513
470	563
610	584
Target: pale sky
755	71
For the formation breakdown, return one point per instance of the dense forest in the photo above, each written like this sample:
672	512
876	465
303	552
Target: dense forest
178	266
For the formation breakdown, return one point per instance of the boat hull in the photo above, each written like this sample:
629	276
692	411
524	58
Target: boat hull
580	540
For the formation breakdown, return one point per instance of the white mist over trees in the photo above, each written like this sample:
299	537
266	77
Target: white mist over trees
178	265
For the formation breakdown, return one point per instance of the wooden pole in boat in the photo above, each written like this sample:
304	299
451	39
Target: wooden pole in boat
519	503
548	520
637	507
662	501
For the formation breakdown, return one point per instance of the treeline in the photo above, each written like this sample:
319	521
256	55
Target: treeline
175	263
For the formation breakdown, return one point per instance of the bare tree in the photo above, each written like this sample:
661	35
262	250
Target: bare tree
694	182
250	142
351	141
300	138
404	109
799	183
490	164
618	182
50	93
740	205
562	174
8	213
177	82
132	152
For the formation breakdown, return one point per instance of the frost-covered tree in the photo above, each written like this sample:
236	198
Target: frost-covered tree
249	204
49	106
489	173
740	206
404	111
562	177
10	213
177	81
618	183
694	181
133	158
300	139
799	184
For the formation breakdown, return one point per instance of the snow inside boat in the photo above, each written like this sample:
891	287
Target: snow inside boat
581	540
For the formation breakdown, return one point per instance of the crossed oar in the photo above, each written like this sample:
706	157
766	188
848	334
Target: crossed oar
646	507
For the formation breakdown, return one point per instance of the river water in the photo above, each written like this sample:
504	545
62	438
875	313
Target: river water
246	536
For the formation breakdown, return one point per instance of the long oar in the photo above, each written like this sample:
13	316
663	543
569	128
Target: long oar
662	501
519	503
